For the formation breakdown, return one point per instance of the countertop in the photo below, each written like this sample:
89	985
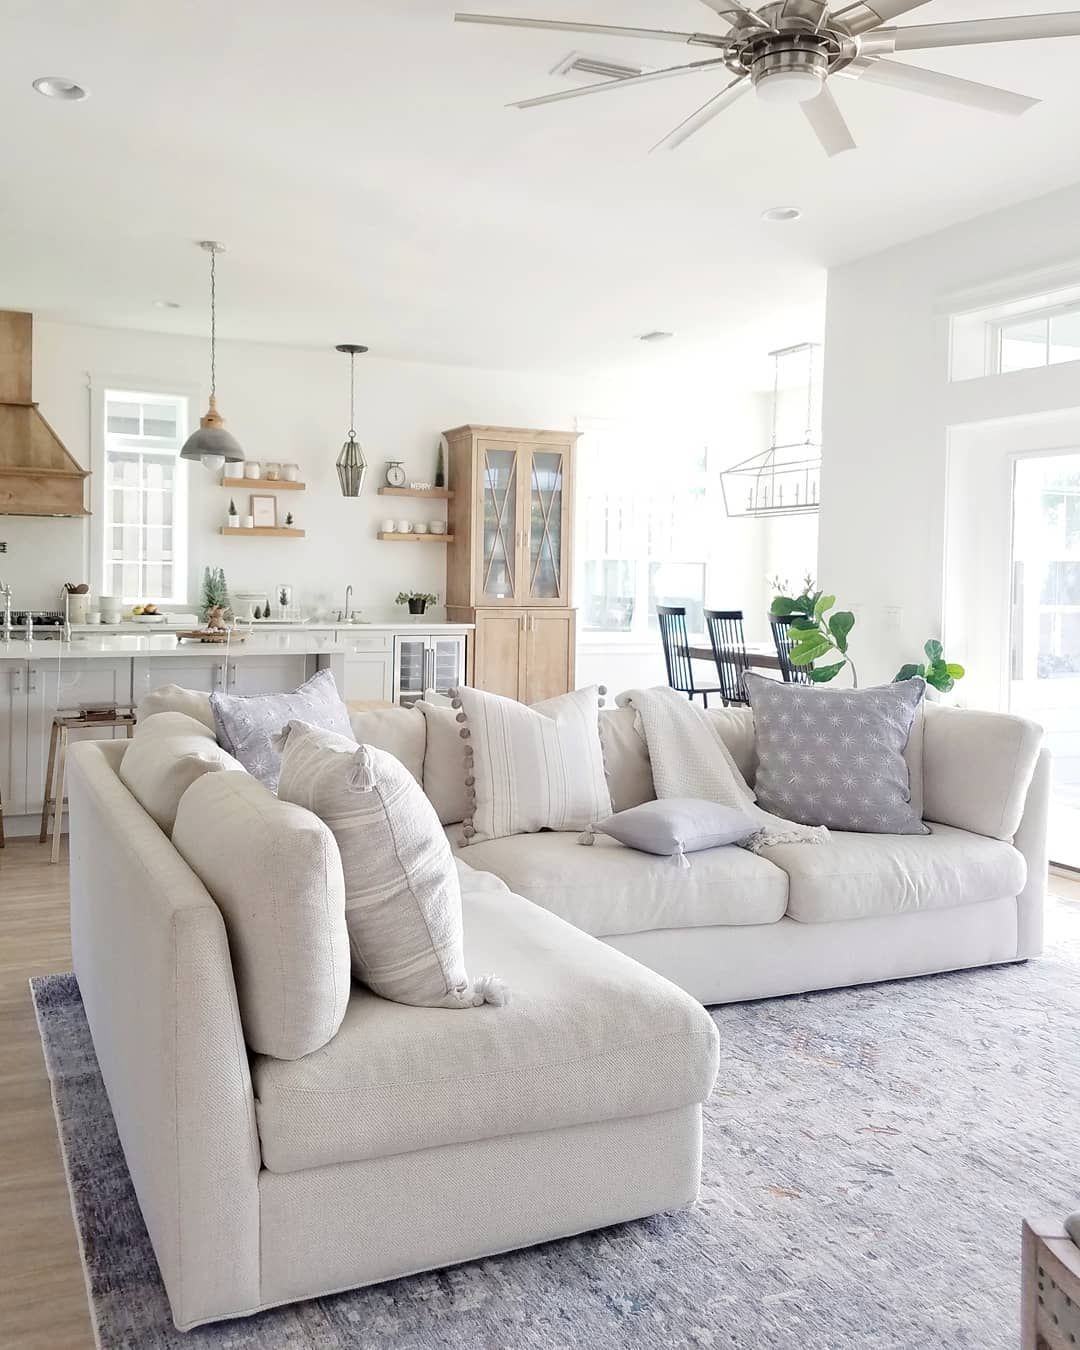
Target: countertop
295	643
406	624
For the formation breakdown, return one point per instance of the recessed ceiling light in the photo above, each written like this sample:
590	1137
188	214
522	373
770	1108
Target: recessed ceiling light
780	213
55	86
657	335
166	304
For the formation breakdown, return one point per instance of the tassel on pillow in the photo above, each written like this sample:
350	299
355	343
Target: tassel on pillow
360	776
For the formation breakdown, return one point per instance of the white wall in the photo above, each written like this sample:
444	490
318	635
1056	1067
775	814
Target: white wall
889	412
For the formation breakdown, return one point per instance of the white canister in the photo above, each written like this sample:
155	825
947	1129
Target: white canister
388	526
404	527
420	527
437	526
252	468
291	472
271	470
248	522
78	607
94	616
111	609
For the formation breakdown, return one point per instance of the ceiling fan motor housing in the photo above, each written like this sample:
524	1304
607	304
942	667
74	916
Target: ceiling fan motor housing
790	67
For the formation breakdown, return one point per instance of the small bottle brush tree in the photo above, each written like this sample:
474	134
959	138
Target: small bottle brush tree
215	592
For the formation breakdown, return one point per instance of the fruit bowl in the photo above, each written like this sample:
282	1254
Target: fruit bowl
148	618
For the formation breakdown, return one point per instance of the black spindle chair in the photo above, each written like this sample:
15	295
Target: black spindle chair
729	652
781	632
680	669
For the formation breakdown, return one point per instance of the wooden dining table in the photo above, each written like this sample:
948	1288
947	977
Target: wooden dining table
762	655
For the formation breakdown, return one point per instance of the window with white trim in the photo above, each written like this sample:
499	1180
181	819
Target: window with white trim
644	539
1042	339
142	529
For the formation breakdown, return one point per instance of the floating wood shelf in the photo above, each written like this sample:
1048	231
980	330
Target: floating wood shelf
420	538
265	531
274	484
444	493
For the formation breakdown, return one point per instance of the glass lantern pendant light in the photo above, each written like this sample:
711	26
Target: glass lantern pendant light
351	464
212	443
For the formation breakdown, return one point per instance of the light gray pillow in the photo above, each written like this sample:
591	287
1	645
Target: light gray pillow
248	723
675	826
835	757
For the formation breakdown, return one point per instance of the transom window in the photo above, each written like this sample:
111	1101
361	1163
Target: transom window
1032	340
143	535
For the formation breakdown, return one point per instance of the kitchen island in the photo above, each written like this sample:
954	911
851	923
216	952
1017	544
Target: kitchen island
371	663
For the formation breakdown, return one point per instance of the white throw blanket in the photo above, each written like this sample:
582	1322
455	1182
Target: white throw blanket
689	759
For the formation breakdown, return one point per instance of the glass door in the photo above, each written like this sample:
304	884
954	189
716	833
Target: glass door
447	669
410	675
547	471
1044	649
499	512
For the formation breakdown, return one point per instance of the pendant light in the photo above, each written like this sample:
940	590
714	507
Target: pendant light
351	464
212	443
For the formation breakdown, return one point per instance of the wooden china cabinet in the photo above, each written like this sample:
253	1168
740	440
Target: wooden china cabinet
509	568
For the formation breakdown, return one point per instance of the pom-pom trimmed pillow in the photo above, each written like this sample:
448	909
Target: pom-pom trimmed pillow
402	894
532	768
835	757
248	724
675	826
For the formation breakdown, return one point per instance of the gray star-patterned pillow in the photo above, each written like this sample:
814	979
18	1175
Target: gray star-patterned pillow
247	723
835	757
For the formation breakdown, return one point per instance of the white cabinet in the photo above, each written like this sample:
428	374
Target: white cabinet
66	685
369	673
13	737
427	661
275	674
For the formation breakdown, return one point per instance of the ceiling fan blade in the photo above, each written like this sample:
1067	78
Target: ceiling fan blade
828	123
577	92
738	15
605	30
866	14
705	114
915	80
1020	28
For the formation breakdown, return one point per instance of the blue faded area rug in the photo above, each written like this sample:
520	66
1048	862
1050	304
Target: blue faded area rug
868	1156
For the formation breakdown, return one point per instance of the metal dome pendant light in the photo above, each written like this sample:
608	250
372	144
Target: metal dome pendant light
212	443
351	464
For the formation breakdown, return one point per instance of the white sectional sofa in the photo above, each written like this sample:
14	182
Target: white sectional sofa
417	1138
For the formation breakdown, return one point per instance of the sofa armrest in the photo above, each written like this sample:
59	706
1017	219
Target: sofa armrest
1031	840
152	961
977	768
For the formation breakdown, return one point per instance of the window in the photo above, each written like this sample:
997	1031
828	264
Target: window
142	536
645	533
1045	339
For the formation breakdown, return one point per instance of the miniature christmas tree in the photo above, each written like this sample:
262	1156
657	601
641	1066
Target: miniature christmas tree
440	468
288	519
215	593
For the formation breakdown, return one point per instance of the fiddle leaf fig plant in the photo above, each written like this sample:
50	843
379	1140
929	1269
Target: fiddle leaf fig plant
817	634
935	670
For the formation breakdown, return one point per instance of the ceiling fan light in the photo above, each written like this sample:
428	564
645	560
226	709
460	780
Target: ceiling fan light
789	86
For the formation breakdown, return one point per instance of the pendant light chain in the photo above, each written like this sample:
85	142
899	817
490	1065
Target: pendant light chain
352	396
213	324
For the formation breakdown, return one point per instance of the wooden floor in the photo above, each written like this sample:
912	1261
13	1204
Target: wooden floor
42	1296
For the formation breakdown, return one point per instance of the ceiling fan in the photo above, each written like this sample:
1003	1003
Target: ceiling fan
788	51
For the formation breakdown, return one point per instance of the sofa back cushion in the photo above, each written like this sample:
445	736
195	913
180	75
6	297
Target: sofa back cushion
174	698
626	759
444	763
977	768
399	731
174	724
275	872
736	728
158	769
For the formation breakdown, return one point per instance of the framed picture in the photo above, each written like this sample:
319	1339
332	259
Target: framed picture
264	511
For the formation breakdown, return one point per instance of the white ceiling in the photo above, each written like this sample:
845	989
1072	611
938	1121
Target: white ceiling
357	159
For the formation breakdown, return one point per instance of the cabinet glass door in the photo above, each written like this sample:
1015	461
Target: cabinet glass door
447	663
546	525
498	487
411	669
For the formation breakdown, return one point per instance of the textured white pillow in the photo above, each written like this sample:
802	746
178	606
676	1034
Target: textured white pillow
444	763
532	768
158	770
402	894
275	873
173	724
174	698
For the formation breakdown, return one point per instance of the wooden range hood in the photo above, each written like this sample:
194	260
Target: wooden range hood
37	475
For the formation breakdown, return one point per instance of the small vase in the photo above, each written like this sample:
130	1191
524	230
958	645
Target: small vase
417	606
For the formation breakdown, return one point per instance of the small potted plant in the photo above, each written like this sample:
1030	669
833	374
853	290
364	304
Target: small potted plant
417	601
234	515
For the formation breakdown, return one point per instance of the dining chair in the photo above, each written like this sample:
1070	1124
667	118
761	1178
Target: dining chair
680	669
781	631
725	627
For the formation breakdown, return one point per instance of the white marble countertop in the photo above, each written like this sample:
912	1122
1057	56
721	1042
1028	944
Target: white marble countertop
295	643
410	624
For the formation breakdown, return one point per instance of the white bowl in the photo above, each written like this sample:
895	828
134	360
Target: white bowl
148	618
419	528
437	526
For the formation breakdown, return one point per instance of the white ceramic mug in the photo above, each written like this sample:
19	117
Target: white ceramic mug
437	526
291	472
389	527
252	468
248	522
420	527
404	527
94	616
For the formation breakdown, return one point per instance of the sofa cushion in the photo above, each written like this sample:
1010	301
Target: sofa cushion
174	698
626	759
977	768
856	876
158	770
399	731
275	873
444	762
610	888
590	1036
174	724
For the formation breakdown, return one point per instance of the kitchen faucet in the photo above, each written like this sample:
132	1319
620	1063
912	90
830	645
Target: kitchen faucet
5	591
348	601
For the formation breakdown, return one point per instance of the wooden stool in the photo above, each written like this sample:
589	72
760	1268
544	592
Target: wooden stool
63	724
